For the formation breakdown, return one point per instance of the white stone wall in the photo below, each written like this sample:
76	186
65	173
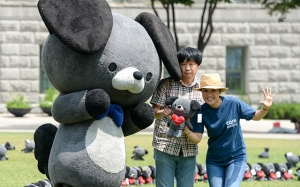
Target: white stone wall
272	48
272	55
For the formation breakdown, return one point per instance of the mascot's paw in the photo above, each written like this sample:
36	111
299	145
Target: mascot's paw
42	183
97	102
44	137
142	115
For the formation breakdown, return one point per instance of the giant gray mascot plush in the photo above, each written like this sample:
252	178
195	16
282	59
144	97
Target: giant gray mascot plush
105	66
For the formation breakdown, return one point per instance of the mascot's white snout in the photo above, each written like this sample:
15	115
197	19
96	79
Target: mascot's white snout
179	108
130	79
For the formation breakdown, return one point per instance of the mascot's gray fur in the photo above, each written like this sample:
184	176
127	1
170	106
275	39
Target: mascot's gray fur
105	66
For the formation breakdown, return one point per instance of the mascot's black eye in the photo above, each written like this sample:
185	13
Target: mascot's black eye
112	66
148	76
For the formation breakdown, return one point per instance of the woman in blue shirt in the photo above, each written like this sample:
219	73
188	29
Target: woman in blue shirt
226	155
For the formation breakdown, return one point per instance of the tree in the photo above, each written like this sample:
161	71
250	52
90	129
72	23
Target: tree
206	30
279	7
206	26
166	5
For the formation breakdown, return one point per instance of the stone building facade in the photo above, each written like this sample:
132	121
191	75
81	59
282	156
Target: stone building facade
270	57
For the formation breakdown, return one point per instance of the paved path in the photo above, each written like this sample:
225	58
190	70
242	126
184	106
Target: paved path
251	129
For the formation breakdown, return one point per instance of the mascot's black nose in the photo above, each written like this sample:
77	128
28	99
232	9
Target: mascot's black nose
137	75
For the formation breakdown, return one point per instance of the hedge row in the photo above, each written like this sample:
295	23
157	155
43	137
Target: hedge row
284	111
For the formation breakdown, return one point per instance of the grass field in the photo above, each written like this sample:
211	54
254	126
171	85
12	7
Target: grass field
20	169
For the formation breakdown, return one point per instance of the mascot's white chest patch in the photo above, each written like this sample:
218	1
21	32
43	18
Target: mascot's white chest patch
105	145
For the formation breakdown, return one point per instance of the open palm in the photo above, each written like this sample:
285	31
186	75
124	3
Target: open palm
267	103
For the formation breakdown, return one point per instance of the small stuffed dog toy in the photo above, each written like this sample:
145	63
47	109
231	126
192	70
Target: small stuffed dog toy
29	146
183	109
105	66
3	151
139	152
9	146
265	153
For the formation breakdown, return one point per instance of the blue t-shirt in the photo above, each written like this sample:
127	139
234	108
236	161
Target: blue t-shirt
226	142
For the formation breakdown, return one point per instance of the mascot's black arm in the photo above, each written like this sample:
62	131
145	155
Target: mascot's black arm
84	105
137	118
80	106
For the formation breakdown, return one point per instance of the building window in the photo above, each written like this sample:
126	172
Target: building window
235	71
44	82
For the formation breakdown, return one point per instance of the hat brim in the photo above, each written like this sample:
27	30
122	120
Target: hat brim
223	89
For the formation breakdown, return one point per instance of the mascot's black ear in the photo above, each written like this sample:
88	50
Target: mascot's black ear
195	105
170	100
82	25
163	41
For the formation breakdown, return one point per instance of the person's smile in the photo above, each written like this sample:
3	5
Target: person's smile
211	97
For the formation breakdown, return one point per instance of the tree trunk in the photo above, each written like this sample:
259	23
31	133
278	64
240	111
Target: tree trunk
154	9
204	35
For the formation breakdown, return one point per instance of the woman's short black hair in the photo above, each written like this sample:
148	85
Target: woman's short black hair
189	54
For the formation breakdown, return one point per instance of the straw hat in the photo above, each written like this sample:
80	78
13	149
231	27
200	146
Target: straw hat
211	81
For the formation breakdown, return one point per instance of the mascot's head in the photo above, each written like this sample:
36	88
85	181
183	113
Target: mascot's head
91	47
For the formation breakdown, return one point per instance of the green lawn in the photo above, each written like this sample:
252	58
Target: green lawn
20	169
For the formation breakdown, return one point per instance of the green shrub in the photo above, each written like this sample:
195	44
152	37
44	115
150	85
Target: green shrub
50	96
284	111
18	101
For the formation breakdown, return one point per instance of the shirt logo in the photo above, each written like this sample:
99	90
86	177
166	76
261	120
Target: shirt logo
231	123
